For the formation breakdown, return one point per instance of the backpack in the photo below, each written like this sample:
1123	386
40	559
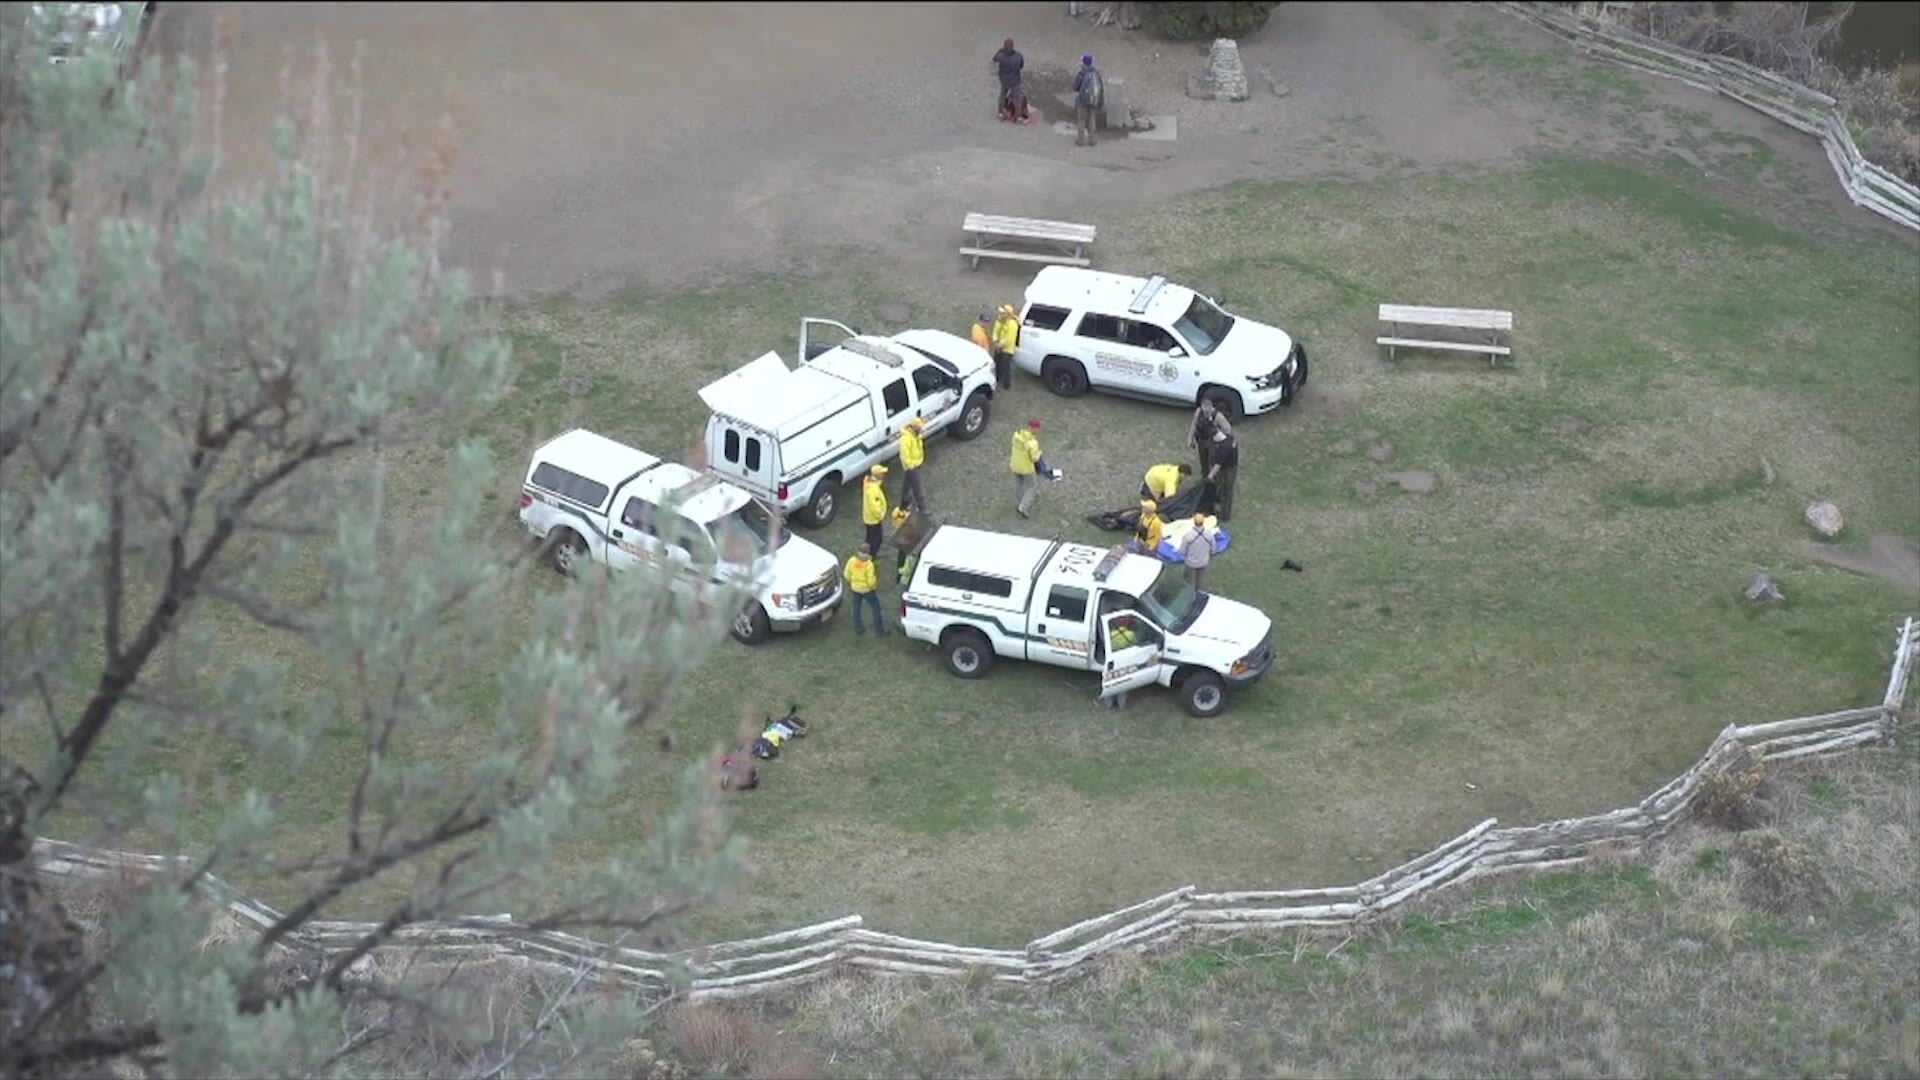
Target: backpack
1096	88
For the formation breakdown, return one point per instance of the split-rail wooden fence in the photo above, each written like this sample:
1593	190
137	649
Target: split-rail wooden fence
1797	106
777	961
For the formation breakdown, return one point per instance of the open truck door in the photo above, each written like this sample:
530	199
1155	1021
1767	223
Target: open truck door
819	335
1132	653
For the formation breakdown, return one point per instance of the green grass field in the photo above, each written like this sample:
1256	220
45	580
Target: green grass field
1554	629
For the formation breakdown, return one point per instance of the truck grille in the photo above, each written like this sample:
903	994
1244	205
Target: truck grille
818	590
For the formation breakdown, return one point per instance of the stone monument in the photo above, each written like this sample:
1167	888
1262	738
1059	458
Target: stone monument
1225	79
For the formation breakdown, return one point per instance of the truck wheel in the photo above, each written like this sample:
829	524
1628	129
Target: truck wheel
824	502
751	626
967	653
1226	401
567	550
1203	694
973	416
1064	377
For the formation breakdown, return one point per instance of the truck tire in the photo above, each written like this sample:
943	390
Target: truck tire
1063	376
967	653
973	416
567	551
1203	694
824	502
751	626
1226	401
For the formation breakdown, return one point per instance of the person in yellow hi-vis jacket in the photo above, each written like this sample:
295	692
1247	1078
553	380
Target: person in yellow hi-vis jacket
913	454
1006	338
873	505
1151	530
979	333
863	581
1025	459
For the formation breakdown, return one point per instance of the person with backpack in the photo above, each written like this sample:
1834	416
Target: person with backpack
1089	95
1009	64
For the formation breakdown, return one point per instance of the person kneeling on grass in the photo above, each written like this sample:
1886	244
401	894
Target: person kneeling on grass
1151	530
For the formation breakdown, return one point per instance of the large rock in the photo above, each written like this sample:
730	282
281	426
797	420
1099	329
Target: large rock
1225	79
1824	518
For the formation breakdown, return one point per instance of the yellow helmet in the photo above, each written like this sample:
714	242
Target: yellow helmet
1149	505
899	515
877	470
1006	309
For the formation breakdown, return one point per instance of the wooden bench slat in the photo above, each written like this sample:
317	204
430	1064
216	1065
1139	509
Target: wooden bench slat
1457	346
1026	256
1462	317
1030	227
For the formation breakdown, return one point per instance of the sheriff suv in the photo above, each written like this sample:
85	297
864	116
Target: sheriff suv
1149	338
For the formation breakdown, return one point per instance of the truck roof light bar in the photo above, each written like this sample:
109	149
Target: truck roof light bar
872	350
1146	294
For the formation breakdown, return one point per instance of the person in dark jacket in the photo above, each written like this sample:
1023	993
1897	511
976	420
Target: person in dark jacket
1089	96
1010	64
1222	472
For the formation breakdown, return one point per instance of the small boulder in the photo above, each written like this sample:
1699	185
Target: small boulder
1763	589
1824	518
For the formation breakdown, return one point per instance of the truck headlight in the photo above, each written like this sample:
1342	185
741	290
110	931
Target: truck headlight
786	601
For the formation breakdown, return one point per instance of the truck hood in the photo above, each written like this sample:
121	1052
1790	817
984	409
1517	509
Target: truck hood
1252	348
1227	629
962	353
798	562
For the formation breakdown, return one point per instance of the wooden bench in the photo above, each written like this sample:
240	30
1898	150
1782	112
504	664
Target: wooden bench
1062	242
1403	321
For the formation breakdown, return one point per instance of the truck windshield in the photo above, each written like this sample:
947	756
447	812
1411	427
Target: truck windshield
1172	602
742	535
1204	325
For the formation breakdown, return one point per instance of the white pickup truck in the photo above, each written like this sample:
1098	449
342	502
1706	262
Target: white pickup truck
598	499
793	436
1133	618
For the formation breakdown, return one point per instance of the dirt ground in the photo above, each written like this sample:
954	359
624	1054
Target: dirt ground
609	145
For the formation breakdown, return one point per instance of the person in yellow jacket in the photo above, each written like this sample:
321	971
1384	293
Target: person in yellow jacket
873	505
980	335
1151	530
863	581
1025	459
913	454
1006	338
1163	481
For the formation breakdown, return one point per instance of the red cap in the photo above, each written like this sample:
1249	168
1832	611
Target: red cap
1034	424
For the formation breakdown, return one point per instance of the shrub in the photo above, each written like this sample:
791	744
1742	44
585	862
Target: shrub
1190	21
1728	797
715	1039
1778	874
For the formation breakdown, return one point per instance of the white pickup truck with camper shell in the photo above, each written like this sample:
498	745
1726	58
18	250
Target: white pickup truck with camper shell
596	499
794	436
1134	619
1148	338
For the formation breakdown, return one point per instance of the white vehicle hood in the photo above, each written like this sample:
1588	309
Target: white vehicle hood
1227	629
1252	349
798	562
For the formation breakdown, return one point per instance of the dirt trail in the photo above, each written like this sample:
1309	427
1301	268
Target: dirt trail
608	144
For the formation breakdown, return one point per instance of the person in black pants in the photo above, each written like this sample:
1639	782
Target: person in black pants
1222	472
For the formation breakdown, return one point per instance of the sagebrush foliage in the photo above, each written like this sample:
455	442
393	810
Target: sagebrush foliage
204	387
1189	21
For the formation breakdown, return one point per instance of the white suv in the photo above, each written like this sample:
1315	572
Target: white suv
1149	338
